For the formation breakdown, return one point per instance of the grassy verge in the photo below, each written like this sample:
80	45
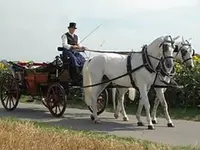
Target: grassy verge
175	113
28	135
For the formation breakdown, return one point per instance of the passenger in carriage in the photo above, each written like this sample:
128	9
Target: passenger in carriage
72	50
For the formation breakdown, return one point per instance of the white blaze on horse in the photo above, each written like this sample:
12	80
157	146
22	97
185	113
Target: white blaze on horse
141	68
184	52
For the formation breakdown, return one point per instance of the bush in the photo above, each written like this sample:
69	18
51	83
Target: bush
189	96
2	70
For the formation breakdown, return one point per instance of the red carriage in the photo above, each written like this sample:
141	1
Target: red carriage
50	81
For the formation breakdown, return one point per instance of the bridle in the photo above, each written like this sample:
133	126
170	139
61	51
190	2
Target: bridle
146	56
184	51
165	46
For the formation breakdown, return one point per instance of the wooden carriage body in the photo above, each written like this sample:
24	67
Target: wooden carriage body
35	80
51	82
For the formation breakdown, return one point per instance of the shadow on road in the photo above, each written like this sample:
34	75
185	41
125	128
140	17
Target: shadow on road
77	121
25	113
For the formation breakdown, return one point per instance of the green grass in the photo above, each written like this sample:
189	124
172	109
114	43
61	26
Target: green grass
175	113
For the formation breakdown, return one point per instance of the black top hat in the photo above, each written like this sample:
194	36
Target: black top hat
72	25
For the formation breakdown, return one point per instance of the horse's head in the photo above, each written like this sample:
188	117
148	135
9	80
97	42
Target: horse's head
184	52
163	47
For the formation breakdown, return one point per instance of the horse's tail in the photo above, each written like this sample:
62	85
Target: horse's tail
87	81
132	93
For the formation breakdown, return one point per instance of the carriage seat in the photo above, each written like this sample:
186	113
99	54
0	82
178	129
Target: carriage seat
64	59
61	49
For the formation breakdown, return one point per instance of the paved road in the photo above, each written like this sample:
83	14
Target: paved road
185	132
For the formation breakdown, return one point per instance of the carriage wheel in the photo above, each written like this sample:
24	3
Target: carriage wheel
56	100
102	102
9	92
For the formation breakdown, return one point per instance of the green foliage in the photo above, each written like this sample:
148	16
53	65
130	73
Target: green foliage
189	96
3	70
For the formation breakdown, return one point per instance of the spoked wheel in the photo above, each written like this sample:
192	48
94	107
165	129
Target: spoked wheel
9	92
102	102
56	100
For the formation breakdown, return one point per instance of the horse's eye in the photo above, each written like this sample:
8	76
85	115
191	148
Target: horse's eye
165	47
183	52
176	48
193	52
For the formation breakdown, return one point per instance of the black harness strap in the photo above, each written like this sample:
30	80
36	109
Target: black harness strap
163	71
129	68
175	85
146	60
146	63
107	81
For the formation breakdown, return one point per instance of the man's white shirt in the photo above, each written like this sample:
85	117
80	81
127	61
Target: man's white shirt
64	41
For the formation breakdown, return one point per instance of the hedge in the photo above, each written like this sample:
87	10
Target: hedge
189	96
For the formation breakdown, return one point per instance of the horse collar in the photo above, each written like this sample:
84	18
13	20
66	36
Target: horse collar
129	69
146	60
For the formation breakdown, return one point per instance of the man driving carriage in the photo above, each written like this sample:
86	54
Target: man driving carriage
72	50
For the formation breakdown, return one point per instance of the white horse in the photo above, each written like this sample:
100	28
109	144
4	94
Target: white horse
183	52
141	68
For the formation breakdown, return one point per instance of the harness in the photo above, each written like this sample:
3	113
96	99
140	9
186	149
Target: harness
146	63
164	72
160	70
182	51
110	80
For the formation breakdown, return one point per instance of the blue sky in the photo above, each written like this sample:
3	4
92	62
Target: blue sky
31	29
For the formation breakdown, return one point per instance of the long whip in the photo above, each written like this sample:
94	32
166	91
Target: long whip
90	33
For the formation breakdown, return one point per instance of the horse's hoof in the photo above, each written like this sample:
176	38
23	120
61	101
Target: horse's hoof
150	127
154	122
92	117
116	116
140	124
171	125
97	122
125	119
